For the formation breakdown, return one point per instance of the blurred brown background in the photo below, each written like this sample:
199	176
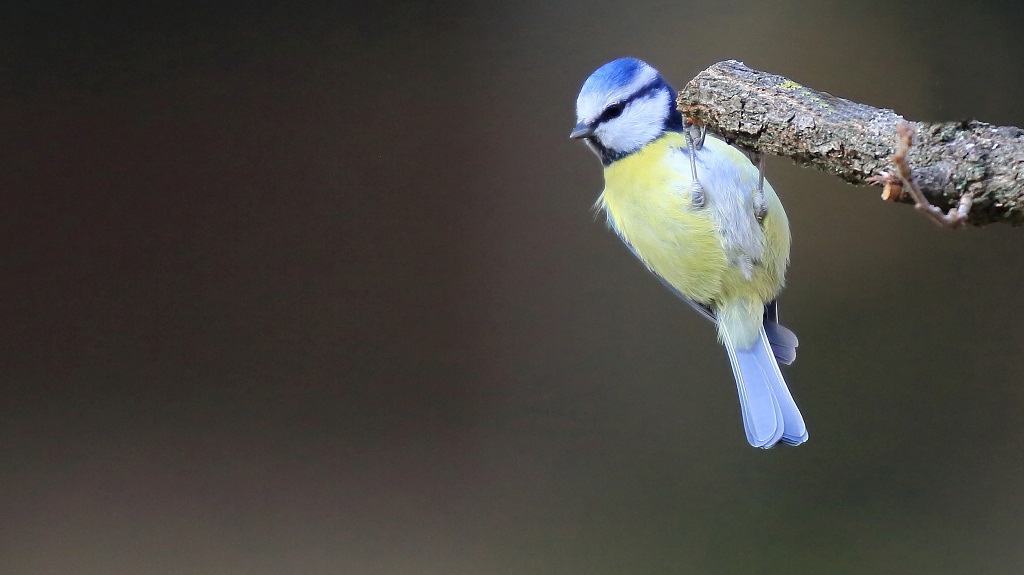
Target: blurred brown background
319	290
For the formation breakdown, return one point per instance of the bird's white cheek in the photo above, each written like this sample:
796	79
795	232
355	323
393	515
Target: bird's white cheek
628	133
642	121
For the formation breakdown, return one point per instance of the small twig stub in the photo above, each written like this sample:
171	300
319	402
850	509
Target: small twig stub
952	219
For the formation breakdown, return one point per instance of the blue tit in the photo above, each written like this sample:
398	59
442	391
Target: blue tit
704	221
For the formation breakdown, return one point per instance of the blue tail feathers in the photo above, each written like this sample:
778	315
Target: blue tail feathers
769	413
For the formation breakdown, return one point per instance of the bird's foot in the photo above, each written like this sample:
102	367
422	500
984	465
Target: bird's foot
697	194
695	134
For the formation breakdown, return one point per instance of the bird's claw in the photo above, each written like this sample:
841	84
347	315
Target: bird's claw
695	135
697	194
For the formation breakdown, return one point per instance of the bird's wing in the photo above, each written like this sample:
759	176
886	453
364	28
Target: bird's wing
702	309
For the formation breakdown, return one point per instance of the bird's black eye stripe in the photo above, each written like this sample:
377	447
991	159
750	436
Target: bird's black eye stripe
613	111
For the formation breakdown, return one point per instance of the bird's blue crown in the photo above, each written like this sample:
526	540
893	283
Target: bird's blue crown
630	88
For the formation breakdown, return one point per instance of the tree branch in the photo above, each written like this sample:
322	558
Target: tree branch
772	114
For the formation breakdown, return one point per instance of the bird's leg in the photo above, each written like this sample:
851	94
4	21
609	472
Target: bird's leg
696	189
760	205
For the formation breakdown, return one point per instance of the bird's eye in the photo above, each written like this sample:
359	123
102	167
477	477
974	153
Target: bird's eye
613	111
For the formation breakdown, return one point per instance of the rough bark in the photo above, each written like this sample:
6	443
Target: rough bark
775	115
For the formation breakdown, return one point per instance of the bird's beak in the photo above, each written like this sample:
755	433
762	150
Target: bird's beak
581	130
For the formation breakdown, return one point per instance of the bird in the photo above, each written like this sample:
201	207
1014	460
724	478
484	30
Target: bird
701	217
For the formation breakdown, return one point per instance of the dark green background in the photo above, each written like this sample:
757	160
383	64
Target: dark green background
320	290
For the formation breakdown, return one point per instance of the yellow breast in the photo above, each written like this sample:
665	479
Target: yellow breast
648	202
